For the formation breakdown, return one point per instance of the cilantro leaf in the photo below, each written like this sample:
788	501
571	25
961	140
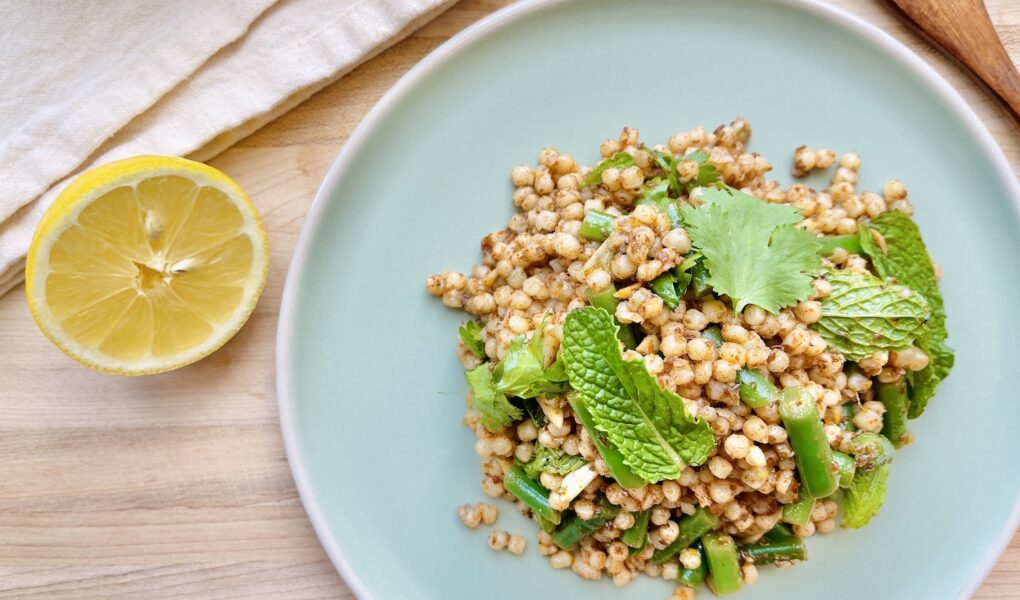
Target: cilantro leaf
863	499
471	333
648	424
552	460
905	259
494	410
620	160
522	371
752	250
707	175
667	163
656	193
864	314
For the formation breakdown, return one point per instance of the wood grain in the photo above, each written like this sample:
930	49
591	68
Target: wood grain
176	486
964	29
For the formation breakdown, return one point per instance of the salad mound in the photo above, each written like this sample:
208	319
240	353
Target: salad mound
680	368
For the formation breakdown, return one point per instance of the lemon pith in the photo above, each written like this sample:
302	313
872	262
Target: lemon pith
146	264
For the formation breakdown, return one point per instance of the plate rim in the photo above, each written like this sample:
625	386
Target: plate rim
897	50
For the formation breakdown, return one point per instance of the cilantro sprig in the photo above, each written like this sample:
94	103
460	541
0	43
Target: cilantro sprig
752	250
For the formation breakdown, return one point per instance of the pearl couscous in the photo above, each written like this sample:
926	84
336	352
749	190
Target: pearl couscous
784	337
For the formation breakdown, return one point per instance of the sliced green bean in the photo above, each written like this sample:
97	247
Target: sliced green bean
597	225
791	548
811	449
664	287
531	493
799	513
828	244
870	450
897	405
723	565
609	453
778	532
575	528
847	467
607	301
713	334
692	527
756	390
546	526
637	535
692	578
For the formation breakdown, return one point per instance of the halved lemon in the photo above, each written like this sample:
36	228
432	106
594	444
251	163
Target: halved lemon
146	264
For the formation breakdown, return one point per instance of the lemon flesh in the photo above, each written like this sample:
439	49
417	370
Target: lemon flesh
146	264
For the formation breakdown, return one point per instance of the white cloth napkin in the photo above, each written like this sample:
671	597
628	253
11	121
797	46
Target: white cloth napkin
83	83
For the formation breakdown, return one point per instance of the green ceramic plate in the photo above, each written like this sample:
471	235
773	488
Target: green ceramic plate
370	389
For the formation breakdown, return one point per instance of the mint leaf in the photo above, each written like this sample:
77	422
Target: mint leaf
550	460
923	383
905	259
620	160
471	333
863	499
494	410
863	315
647	423
752	250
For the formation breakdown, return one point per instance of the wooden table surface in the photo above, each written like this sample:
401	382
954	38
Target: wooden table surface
176	486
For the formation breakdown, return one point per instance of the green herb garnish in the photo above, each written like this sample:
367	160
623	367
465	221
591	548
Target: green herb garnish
620	160
648	424
906	260
752	250
552	460
864	315
471	333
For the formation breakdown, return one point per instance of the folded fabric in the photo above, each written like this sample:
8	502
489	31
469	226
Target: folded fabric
80	86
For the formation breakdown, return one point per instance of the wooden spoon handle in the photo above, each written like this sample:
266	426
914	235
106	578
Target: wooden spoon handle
963	28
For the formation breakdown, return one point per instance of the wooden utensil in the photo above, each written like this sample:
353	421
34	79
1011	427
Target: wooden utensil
963	28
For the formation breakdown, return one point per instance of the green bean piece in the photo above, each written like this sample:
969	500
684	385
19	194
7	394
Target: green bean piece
897	405
811	449
664	287
723	565
607	301
546	526
597	225
531	493
828	244
609	453
713	334
870	450
779	532
692	527
575	528
639	549
847	424
847	467
637	535
756	390
692	578
799	513
791	548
